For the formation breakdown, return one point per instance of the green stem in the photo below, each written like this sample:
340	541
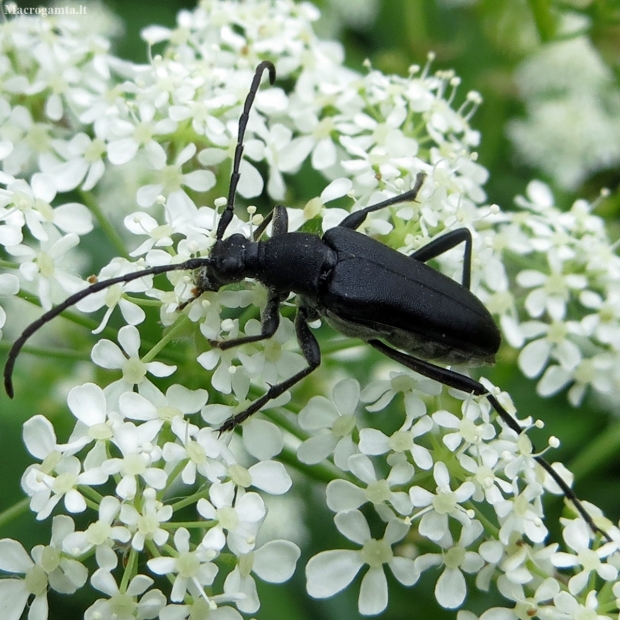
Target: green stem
166	338
130	569
190	499
108	229
14	512
597	452
321	472
64	354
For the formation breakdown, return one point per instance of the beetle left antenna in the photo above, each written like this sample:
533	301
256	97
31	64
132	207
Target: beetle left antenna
243	123
188	265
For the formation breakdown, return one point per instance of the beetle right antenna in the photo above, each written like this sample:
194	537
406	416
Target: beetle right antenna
226	217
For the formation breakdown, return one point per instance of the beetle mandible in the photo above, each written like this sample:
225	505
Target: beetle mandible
396	303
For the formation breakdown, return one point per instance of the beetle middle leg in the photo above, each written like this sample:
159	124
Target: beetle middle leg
440	245
467	384
311	351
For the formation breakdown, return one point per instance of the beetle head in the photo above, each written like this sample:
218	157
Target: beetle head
227	264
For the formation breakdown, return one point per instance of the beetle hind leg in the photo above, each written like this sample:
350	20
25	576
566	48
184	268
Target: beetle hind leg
467	384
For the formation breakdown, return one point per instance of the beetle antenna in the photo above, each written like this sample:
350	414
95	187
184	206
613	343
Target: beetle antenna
192	263
266	65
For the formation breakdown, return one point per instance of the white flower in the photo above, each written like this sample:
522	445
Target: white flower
437	507
32	203
578	537
47	568
548	340
45	267
568	607
88	404
58	476
400	442
451	589
238	514
139	455
274	562
551	291
331	571
381	392
343	495
136	600
334	421
200	448
172	180
529	606
108	354
83	162
139	135
100	534
114	296
544	138
193	568
145	524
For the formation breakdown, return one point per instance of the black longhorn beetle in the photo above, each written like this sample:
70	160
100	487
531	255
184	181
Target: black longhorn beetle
396	303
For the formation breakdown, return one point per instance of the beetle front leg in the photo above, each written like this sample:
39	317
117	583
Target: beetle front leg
467	384
311	351
270	320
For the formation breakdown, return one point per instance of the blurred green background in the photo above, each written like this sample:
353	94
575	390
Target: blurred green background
483	42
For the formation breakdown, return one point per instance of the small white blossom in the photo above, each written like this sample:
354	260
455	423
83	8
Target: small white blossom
329	572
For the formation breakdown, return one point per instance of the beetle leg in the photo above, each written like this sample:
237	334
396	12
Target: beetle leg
311	351
270	320
280	223
467	384
446	242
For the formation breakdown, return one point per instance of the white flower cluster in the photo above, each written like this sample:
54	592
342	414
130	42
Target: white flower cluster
419	488
571	128
565	307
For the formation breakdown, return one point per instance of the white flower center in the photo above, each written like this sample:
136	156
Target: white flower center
375	553
147	525
168	413
122	605
588	559
134	370
46	264
444	502
134	465
188	564
454	557
100	431
64	483
378	492
401	441
97	533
